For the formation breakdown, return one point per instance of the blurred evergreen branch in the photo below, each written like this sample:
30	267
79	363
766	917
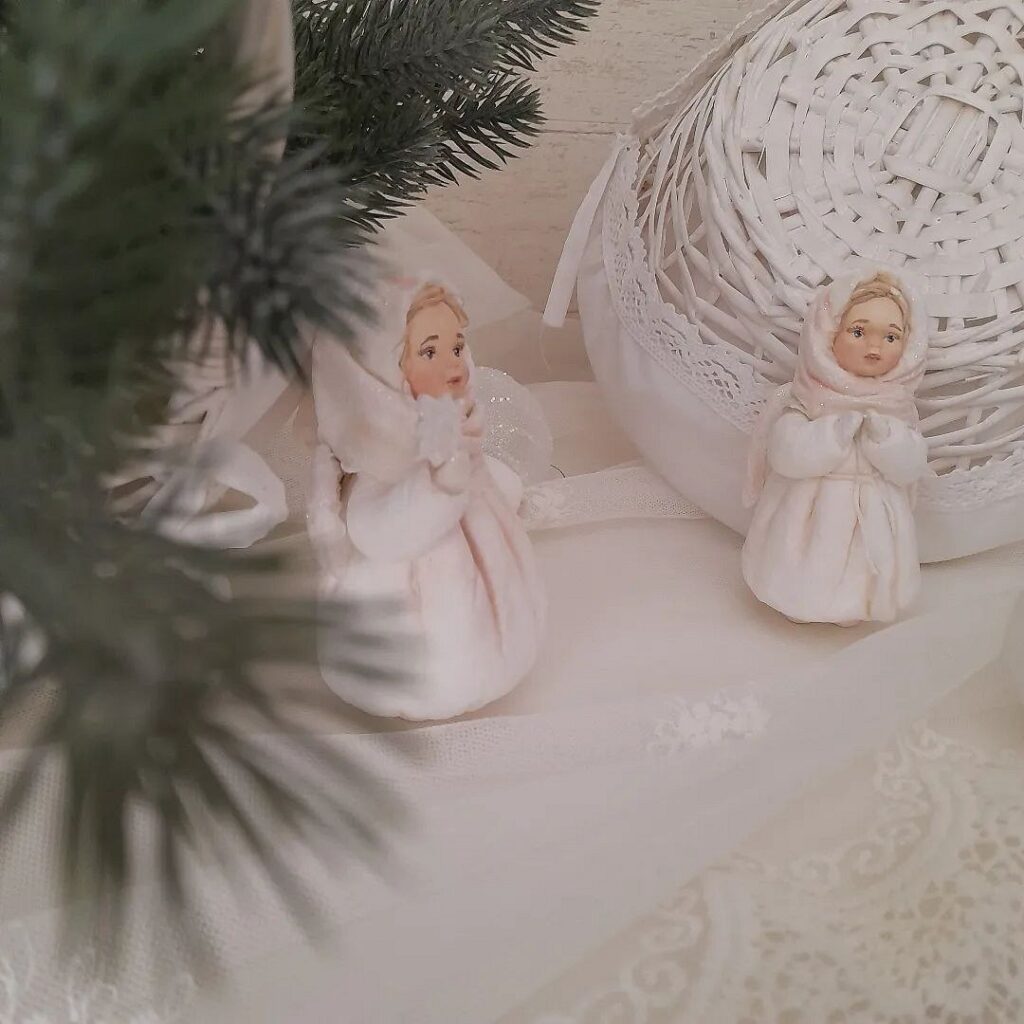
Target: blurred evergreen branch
406	93
140	212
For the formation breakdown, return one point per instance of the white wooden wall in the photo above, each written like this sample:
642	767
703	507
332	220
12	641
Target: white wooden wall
517	218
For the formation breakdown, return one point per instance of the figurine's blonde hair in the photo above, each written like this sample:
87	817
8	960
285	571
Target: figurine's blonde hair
436	295
881	286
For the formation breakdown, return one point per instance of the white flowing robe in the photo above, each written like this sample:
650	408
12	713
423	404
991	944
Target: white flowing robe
833	536
463	569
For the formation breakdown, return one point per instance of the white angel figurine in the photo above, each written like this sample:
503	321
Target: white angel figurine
406	507
835	460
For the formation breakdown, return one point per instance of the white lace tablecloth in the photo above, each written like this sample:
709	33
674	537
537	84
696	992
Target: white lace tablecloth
884	888
892	895
650	829
591	849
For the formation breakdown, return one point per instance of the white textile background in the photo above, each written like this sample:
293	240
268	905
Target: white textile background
666	723
669	717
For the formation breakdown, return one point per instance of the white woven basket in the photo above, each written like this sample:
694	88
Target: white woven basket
822	132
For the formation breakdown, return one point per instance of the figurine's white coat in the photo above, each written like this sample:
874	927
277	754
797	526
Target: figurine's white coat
833	467
455	560
833	538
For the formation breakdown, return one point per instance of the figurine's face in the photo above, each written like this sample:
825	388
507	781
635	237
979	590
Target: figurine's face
871	338
434	362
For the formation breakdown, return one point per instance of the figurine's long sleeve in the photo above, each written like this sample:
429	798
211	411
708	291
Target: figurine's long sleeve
802	449
402	521
896	450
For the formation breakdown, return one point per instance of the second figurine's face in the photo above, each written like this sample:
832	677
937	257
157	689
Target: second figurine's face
871	338
434	361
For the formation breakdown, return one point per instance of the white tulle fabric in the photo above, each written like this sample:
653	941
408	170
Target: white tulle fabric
908	914
544	833
668	718
515	429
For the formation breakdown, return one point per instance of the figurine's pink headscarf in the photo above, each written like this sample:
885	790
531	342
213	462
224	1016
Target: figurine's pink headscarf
821	387
365	412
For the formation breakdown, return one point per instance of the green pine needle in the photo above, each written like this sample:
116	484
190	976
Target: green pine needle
136	208
409	94
487	128
159	687
377	44
532	29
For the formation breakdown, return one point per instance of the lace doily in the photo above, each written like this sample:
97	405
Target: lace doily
917	920
33	990
623	492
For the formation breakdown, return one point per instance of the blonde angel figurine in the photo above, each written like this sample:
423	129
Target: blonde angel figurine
406	507
835	460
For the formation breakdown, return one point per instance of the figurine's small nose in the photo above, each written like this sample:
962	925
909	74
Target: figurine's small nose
456	373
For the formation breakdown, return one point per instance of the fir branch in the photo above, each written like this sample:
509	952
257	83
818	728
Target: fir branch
386	163
136	206
280	250
137	216
393	46
532	29
408	94
155	670
95	216
135	203
490	126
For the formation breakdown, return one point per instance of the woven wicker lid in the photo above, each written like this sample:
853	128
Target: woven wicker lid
827	132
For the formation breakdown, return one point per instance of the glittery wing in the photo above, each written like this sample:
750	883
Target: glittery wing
515	429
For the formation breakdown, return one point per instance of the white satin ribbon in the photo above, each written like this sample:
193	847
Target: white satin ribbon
226	406
564	282
223	465
631	491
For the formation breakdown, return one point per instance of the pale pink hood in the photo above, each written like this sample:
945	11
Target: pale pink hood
365	412
822	387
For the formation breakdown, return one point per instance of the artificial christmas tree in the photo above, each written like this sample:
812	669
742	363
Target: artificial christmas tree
159	186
